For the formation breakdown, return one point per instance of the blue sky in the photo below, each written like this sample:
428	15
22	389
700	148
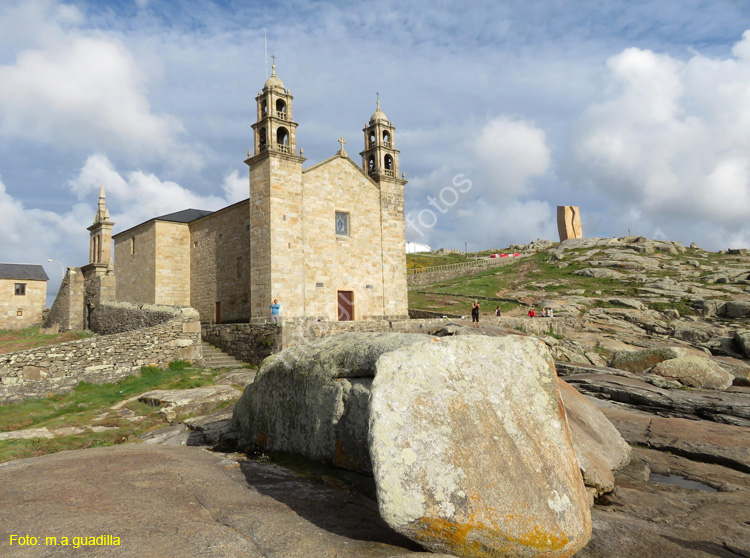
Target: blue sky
638	112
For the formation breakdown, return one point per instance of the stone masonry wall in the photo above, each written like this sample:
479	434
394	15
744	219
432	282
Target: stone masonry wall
135	254
117	317
220	264
30	305
252	343
99	359
336	262
249	343
172	264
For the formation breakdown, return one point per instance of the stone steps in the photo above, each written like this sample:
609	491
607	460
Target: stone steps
213	357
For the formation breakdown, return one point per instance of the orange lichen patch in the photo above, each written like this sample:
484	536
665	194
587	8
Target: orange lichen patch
343	459
475	539
264	440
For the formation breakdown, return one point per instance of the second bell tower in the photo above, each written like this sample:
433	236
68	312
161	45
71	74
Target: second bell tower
276	234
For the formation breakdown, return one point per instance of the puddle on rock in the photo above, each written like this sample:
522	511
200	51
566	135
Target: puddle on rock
681	481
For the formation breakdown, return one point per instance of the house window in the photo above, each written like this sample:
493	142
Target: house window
342	223
19	312
132	245
20	289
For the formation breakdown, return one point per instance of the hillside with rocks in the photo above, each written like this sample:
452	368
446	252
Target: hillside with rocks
656	336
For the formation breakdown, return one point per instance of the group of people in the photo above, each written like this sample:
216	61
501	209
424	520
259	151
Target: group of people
545	313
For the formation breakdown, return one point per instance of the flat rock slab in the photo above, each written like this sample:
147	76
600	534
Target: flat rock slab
731	407
27	434
471	450
699	440
187	401
183	502
239	377
656	520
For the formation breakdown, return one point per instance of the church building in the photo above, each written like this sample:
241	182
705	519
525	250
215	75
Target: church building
326	241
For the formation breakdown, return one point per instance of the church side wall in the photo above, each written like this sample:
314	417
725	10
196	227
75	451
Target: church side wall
220	264
340	263
30	305
172	272
135	267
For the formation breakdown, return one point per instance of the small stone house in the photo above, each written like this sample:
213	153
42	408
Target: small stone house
23	295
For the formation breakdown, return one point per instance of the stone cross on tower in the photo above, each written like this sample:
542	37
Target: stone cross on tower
342	141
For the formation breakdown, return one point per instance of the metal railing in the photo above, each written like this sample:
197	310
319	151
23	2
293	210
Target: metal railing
460	265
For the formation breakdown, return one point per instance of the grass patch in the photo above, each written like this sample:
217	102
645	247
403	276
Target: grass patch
30	338
681	306
87	402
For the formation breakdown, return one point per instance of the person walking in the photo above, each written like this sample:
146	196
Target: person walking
475	314
498	312
275	308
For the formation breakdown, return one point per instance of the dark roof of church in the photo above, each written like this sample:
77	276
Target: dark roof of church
184	216
31	272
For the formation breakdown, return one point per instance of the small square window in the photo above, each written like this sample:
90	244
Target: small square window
20	289
19	312
342	223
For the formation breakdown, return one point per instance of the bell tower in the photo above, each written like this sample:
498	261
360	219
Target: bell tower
380	157
276	234
380	162
100	244
274	129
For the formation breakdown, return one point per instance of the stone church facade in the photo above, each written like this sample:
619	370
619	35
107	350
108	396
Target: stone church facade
327	241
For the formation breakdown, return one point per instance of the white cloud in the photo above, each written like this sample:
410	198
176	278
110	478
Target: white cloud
33	235
75	89
137	196
236	187
510	153
670	138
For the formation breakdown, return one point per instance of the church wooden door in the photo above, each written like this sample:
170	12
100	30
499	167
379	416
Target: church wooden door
346	305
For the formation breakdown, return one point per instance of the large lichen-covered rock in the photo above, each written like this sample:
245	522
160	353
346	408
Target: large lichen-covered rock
313	399
695	372
640	361
471	450
599	447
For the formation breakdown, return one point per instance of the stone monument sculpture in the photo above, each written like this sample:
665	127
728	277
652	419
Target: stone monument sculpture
569	222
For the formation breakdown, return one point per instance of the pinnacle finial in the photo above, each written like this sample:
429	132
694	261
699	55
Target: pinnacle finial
102	213
377	95
342	141
273	65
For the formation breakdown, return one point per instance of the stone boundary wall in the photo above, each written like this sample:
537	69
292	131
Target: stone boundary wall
252	343
415	314
428	277
112	316
249	343
99	359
